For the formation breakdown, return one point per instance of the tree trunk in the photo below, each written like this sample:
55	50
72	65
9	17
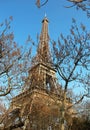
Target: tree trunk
62	125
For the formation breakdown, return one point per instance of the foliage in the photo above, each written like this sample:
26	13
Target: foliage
2	107
80	124
13	61
79	4
71	56
39	4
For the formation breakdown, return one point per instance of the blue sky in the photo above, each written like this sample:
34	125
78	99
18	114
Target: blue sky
27	17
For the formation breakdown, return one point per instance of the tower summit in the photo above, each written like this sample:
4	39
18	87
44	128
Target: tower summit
43	51
44	37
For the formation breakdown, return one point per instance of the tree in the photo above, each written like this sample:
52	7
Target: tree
80	124
13	61
14	64
79	4
9	57
38	3
71	58
82	121
85	112
2	107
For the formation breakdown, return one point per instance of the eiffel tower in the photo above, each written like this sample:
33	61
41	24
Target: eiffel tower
36	108
43	68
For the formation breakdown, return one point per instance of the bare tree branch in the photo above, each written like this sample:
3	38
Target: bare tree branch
38	3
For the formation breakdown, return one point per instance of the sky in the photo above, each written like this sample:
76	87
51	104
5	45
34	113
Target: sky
27	17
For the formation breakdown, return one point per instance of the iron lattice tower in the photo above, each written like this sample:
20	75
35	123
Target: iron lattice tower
42	74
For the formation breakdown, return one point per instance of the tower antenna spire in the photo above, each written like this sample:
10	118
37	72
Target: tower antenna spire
45	14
